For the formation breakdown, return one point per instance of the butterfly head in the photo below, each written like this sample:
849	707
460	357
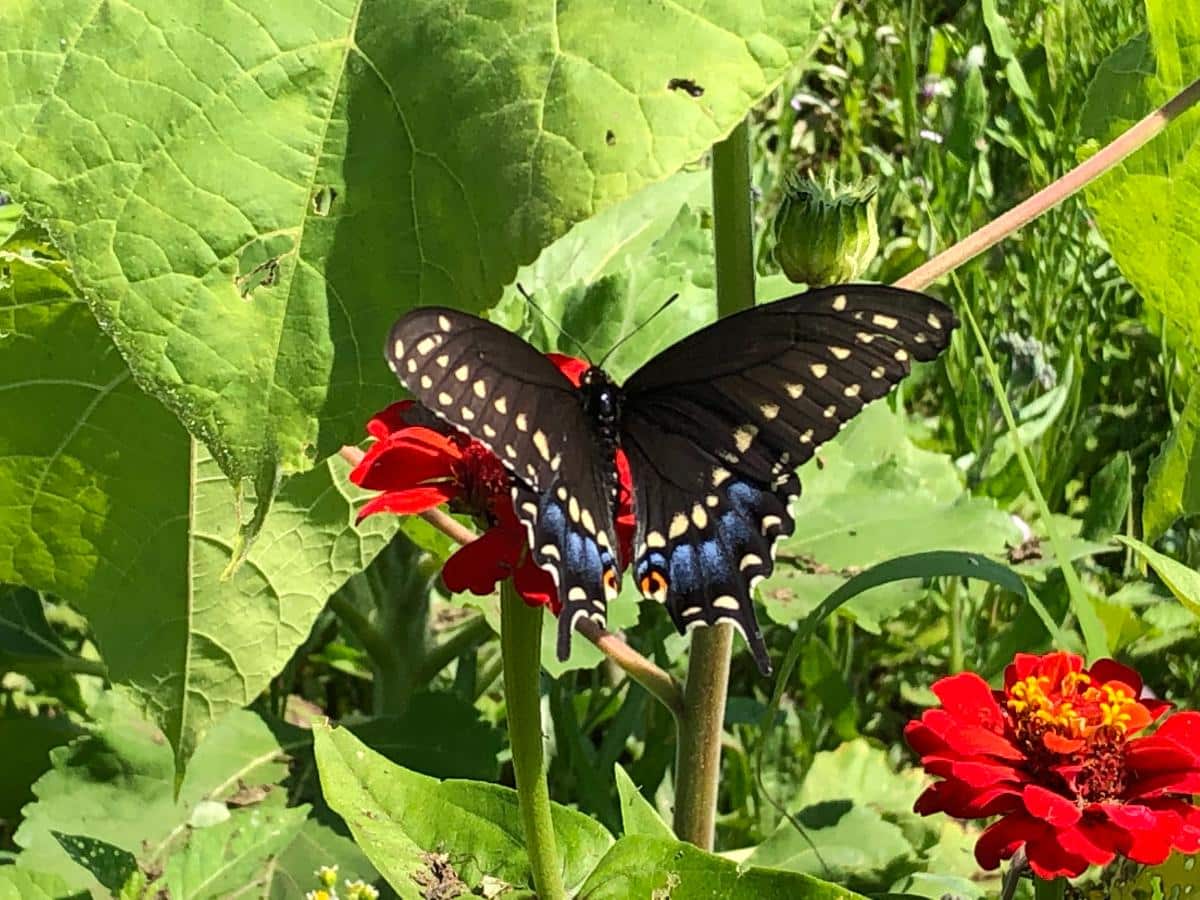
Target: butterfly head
601	397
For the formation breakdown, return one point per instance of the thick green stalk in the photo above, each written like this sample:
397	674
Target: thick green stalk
698	755
1055	889
521	644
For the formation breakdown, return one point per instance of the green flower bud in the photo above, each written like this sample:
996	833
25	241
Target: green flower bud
825	234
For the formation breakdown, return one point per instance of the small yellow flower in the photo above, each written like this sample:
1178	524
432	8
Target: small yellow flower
360	890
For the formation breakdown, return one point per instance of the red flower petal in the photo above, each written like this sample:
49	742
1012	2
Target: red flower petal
571	367
966	738
1106	670
411	457
536	586
482	564
391	419
967	697
1054	809
403	503
1096	841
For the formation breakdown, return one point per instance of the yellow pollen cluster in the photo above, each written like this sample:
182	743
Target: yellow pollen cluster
1077	709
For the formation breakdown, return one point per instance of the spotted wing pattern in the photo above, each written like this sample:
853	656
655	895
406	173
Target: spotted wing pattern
500	391
715	426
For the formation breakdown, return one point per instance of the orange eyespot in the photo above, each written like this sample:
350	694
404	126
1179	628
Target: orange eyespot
653	583
610	579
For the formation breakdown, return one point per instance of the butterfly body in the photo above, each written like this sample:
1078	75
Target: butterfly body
712	428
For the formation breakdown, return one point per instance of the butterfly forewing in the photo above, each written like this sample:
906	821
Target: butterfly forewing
502	392
720	420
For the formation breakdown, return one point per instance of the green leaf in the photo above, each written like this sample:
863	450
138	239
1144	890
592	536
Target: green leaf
106	502
1109	498
24	631
661	869
637	815
117	785
17	883
110	865
1183	582
27	743
871	495
218	860
1173	490
399	818
251	203
1146	206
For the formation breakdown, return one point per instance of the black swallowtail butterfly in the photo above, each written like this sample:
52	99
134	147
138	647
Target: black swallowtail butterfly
713	427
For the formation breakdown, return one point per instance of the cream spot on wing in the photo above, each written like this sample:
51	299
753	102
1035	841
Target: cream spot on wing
878	372
655	539
551	551
488	430
501	404
556	462
425	345
426	382
691	611
794	390
743	437
443	360
725	602
561	493
852	390
830	411
901	355
576	595
679	525
719	476
865	337
462	373
510	451
699	516
480	389
521	422
934	322
884	321
443	323
530	509
807	437
839	302
920	337
840	352
749	561
589	524
398	348
712	500
769	522
467	414
445	399
411	365
542	445
819	369
573	509
769	410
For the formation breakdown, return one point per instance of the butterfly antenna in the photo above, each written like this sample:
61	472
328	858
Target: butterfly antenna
574	340
621	340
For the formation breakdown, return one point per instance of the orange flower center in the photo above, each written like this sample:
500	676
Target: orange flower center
1076	730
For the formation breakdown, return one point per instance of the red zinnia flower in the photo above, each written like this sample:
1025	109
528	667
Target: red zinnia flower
419	462
1054	755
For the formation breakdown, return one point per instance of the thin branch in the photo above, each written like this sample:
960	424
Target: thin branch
1050	196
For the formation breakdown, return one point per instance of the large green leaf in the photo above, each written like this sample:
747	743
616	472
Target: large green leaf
25	635
107	502
117	785
868	496
1173	489
27	743
1182	581
291	876
1148	207
637	815
21	884
252	196
643	866
400	818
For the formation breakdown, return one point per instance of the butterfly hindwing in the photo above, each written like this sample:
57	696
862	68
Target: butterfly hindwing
496	388
719	421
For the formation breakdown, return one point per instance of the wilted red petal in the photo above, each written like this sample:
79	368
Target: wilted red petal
411	457
391	419
536	586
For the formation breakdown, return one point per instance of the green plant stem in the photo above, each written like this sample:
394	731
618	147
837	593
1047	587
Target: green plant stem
1129	141
34	666
466	637
956	627
521	644
698	751
1089	622
1055	889
374	641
